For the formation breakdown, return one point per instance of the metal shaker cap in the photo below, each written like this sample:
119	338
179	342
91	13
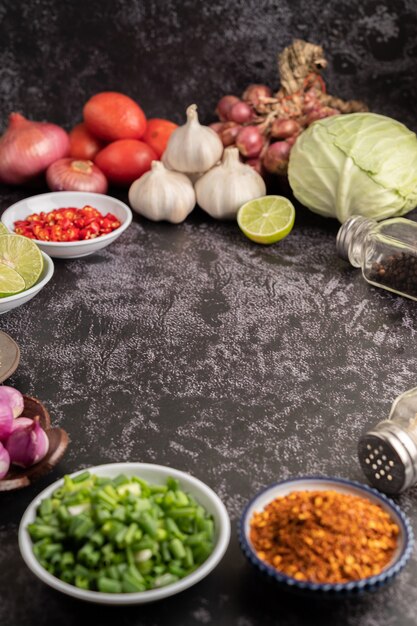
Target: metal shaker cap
388	457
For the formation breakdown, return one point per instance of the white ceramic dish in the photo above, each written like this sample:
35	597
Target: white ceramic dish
56	199
156	474
318	483
11	302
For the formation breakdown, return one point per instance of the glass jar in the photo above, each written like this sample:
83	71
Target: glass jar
388	452
385	251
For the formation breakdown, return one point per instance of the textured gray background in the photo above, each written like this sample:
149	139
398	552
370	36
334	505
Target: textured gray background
188	345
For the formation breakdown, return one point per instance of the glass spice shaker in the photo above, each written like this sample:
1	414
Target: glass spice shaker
386	251
388	452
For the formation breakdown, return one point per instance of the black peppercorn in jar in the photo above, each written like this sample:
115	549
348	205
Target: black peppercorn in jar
386	251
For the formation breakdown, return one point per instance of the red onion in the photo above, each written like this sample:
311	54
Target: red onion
74	175
4	461
240	113
224	105
276	157
254	93
284	128
14	398
21	422
229	133
28	148
250	141
6	419
27	445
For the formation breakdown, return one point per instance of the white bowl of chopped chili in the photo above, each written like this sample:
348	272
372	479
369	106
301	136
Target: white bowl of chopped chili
326	536
99	233
156	476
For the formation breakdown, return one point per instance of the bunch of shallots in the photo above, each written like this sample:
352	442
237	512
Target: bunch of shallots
264	126
23	441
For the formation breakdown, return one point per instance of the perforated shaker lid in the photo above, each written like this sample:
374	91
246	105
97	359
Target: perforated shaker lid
388	457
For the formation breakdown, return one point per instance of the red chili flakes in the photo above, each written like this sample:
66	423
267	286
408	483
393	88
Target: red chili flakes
324	536
67	224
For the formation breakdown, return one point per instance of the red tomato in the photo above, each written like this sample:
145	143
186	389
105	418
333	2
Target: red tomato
157	134
125	160
111	115
83	145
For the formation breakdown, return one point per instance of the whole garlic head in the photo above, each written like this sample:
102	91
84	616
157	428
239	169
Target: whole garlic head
225	188
192	147
162	195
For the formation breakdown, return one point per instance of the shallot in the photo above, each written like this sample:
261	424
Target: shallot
14	398
224	105
240	113
28	148
255	93
4	461
275	160
250	141
75	175
27	445
6	419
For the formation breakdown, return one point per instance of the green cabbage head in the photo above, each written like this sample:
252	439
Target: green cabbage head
356	164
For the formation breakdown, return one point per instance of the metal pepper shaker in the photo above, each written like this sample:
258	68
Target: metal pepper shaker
388	452
385	251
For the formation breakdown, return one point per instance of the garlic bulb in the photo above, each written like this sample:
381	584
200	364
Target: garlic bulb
193	147
162	195
223	190
193	176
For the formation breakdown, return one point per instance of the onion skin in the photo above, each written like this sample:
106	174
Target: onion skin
75	175
229	133
4	461
28	148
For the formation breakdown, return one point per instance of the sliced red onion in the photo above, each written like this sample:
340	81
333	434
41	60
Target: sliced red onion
14	398
27	445
21	422
6	419
4	461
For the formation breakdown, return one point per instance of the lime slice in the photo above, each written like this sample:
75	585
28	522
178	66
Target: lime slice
22	255
3	229
267	219
10	281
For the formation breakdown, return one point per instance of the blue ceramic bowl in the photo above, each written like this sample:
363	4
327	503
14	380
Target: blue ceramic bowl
313	483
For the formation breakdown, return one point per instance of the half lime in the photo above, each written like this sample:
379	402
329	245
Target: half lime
23	256
10	281
267	219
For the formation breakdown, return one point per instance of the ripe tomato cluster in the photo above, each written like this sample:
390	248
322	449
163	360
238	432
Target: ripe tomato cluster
118	138
67	224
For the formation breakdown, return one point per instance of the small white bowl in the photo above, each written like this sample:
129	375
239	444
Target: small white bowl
57	199
156	474
348	487
11	302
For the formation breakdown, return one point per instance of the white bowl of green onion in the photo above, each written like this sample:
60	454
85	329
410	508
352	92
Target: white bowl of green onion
124	533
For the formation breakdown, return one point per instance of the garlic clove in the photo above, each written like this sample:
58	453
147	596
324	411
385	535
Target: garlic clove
161	194
226	187
193	148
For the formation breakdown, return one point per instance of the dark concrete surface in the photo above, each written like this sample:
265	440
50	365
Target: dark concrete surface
189	345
